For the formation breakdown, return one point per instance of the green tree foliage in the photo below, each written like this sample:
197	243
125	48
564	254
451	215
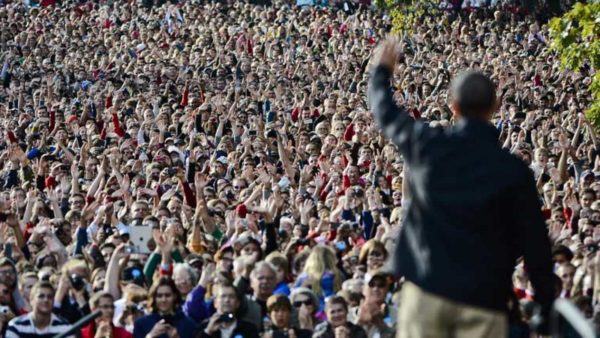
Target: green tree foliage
405	13
576	37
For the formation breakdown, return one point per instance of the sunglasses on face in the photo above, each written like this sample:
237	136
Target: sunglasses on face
298	304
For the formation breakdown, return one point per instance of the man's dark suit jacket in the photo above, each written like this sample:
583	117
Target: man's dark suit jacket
474	208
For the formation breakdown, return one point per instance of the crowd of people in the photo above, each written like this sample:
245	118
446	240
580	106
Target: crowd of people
208	169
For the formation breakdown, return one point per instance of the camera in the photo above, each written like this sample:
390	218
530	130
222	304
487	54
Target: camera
77	282
135	308
4	310
108	230
303	241
226	318
306	196
58	232
591	248
358	192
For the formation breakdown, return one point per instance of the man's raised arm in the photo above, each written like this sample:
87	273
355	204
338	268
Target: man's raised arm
395	122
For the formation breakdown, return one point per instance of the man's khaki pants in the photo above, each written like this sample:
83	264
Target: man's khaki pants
423	315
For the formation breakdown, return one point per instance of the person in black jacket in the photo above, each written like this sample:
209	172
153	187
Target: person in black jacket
225	323
71	300
474	210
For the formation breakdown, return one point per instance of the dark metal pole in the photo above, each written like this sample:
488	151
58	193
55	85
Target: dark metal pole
80	323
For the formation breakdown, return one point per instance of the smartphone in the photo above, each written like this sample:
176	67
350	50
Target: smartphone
8	251
198	123
130	249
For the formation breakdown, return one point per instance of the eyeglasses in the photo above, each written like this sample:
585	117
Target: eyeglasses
299	303
376	254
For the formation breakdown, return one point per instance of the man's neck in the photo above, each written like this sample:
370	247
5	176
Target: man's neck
41	321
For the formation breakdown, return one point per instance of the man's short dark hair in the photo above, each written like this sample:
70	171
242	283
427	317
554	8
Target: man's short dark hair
474	93
589	191
228	285
563	250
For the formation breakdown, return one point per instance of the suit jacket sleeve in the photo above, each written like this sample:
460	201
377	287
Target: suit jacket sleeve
533	240
395	122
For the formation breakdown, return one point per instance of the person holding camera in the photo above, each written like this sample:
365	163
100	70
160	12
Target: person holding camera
8	277
7	308
225	322
72	298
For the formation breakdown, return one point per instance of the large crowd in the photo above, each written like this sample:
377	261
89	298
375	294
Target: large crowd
211	169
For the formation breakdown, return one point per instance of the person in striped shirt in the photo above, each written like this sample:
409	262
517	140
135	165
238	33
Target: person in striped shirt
40	322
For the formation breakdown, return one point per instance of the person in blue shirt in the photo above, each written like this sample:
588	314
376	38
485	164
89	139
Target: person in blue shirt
281	264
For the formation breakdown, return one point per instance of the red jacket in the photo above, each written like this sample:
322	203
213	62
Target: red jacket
89	331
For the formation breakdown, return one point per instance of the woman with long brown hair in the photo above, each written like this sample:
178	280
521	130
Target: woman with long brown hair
165	317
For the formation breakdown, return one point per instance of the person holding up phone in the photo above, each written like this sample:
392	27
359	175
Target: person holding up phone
166	318
71	300
225	323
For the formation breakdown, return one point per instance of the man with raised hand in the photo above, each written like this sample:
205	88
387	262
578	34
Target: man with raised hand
474	210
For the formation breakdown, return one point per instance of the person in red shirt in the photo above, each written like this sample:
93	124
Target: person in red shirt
103	326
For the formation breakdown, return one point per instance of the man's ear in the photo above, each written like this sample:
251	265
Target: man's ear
497	105
455	109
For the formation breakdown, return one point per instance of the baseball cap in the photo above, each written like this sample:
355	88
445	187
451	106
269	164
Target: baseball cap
378	276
